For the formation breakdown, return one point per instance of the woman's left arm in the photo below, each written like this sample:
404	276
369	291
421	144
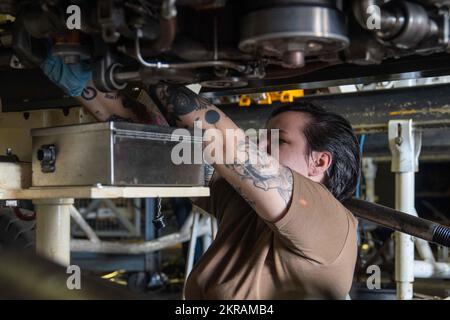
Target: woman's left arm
264	183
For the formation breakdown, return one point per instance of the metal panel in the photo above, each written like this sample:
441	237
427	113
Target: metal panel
82	157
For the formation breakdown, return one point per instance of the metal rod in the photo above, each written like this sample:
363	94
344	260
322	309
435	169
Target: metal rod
399	221
124	76
116	247
84	226
404	244
192	244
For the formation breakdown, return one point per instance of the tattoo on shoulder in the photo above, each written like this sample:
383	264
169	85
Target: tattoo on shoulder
89	93
265	174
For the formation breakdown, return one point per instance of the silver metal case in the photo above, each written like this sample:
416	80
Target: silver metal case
112	153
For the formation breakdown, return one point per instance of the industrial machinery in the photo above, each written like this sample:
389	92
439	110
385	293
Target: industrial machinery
221	44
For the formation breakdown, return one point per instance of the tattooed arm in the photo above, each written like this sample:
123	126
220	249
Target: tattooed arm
264	184
105	106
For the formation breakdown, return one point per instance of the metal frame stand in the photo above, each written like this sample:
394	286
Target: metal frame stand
405	147
211	234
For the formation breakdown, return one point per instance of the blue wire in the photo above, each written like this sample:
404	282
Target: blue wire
362	140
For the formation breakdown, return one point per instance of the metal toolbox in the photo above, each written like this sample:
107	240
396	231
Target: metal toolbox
112	154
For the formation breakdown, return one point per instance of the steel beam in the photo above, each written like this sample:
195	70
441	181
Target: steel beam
367	111
393	69
37	92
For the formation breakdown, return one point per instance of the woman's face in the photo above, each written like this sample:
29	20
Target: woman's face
292	142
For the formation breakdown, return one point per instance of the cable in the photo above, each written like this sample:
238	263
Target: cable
362	141
25	217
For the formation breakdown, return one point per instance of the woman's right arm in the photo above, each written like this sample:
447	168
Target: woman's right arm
104	106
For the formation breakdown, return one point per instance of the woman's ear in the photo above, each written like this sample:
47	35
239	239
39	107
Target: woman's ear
318	165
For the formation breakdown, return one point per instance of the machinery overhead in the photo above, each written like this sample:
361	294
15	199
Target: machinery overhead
218	43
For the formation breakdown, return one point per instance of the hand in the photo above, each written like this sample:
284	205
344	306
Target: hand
72	78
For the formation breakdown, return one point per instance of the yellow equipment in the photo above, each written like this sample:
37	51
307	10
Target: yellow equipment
270	97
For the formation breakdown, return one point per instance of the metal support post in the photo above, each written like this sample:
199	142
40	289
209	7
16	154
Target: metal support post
152	258
369	168
405	148
208	237
191	250
53	229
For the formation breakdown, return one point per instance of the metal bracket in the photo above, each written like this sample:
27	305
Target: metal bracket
47	156
405	145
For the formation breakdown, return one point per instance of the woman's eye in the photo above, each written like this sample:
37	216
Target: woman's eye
282	141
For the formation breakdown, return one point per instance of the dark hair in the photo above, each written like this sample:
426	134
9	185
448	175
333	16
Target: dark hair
327	131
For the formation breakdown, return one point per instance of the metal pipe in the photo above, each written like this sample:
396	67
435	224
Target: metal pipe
424	269
404	244
116	247
191	250
53	229
163	43
207	238
167	29
404	23
192	244
84	226
399	221
183	65
370	171
424	250
214	227
125	76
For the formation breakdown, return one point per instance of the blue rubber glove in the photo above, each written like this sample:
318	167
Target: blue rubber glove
72	78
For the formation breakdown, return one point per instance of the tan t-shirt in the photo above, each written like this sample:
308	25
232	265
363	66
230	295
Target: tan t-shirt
309	254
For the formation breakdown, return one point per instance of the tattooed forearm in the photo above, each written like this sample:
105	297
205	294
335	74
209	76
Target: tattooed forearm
89	93
178	101
112	96
209	171
117	118
266	174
